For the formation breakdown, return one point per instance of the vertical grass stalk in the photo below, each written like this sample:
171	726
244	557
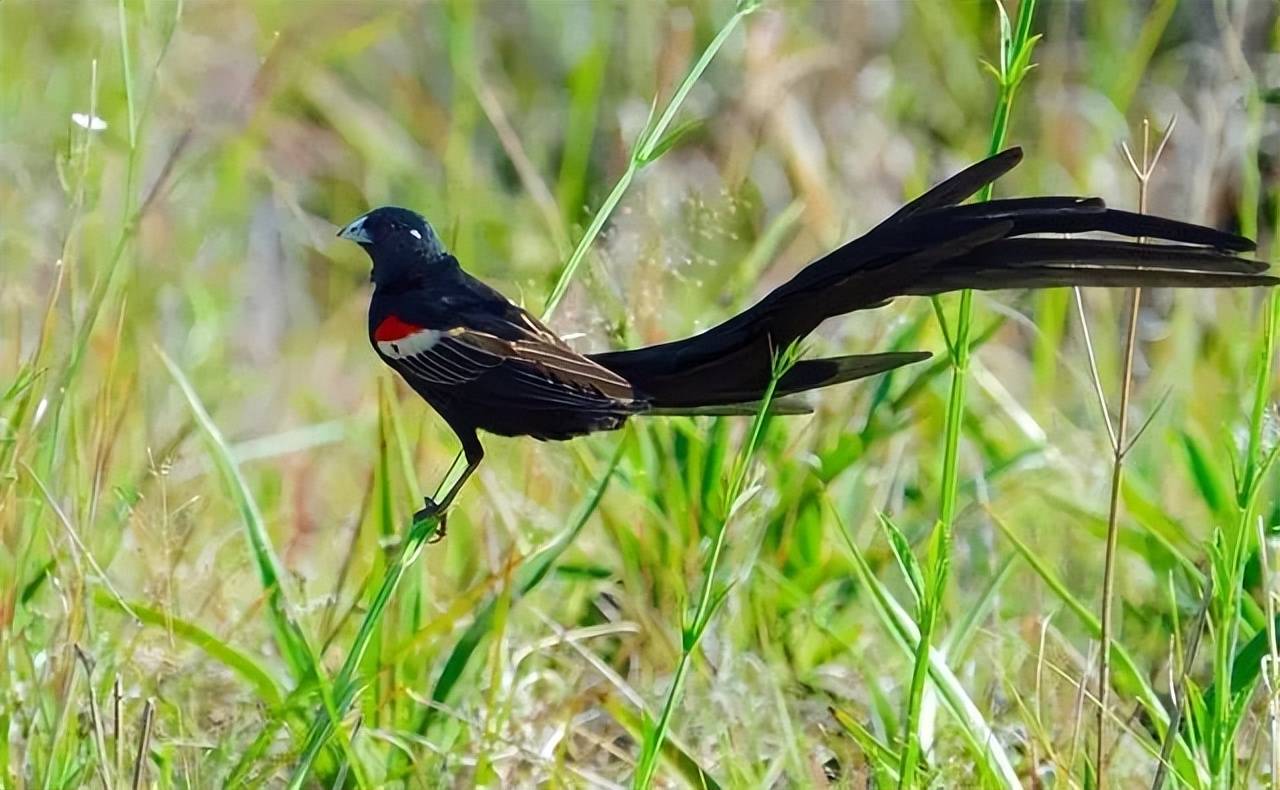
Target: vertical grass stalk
1119	449
1271	663
1016	46
652	143
1230	551
1235	673
1232	686
289	637
709	598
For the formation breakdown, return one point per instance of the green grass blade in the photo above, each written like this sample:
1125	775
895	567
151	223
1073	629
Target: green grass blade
982	740
882	758
673	753
709	599
642	154
239	662
345	683
288	634
1015	61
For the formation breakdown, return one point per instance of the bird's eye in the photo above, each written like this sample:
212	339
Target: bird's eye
414	233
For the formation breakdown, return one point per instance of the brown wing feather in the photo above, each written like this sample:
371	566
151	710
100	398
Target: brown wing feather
535	369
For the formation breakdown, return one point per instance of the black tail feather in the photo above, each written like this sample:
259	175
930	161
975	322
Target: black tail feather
808	374
790	404
805	375
962	185
933	246
1080	215
1049	263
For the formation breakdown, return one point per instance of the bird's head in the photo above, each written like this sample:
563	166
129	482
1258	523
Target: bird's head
400	242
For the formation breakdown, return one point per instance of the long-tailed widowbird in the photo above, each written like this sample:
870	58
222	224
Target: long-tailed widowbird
484	363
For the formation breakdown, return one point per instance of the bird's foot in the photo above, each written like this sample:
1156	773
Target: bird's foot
439	534
432	510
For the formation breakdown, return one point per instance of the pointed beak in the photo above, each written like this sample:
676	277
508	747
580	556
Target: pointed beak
356	232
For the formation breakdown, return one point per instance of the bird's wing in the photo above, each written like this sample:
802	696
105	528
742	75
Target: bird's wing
446	357
526	363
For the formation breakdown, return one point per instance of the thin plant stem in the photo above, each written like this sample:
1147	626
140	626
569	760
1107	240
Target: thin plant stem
1227	562
344	685
1113	513
144	743
1120	449
1093	368
1271	663
709	599
1230	550
1249	227
1016	45
1180	691
649	146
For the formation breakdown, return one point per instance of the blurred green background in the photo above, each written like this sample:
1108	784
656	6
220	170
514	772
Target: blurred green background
199	224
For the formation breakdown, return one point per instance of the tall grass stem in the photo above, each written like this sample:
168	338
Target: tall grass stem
709	599
1016	46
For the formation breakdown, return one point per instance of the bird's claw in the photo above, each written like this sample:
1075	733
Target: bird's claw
439	534
432	510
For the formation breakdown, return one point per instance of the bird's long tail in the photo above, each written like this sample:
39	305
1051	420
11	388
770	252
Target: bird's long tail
932	246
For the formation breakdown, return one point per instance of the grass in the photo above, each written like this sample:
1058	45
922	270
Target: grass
1016	46
711	596
207	576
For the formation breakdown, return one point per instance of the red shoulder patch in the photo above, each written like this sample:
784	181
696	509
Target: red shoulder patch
392	328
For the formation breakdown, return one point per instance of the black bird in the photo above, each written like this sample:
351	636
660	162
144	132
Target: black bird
484	363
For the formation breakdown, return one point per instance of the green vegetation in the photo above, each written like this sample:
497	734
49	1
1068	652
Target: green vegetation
207	572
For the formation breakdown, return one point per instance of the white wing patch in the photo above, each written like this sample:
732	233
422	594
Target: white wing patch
541	370
440	357
409	345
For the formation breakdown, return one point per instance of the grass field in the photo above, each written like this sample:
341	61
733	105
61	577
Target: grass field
207	478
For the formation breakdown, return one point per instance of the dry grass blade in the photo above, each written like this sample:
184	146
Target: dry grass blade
117	726
95	721
144	744
1120	447
289	636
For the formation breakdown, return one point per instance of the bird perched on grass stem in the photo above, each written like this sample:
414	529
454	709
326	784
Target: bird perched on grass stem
484	363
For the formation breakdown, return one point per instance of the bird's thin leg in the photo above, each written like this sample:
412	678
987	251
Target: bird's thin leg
439	507
475	454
